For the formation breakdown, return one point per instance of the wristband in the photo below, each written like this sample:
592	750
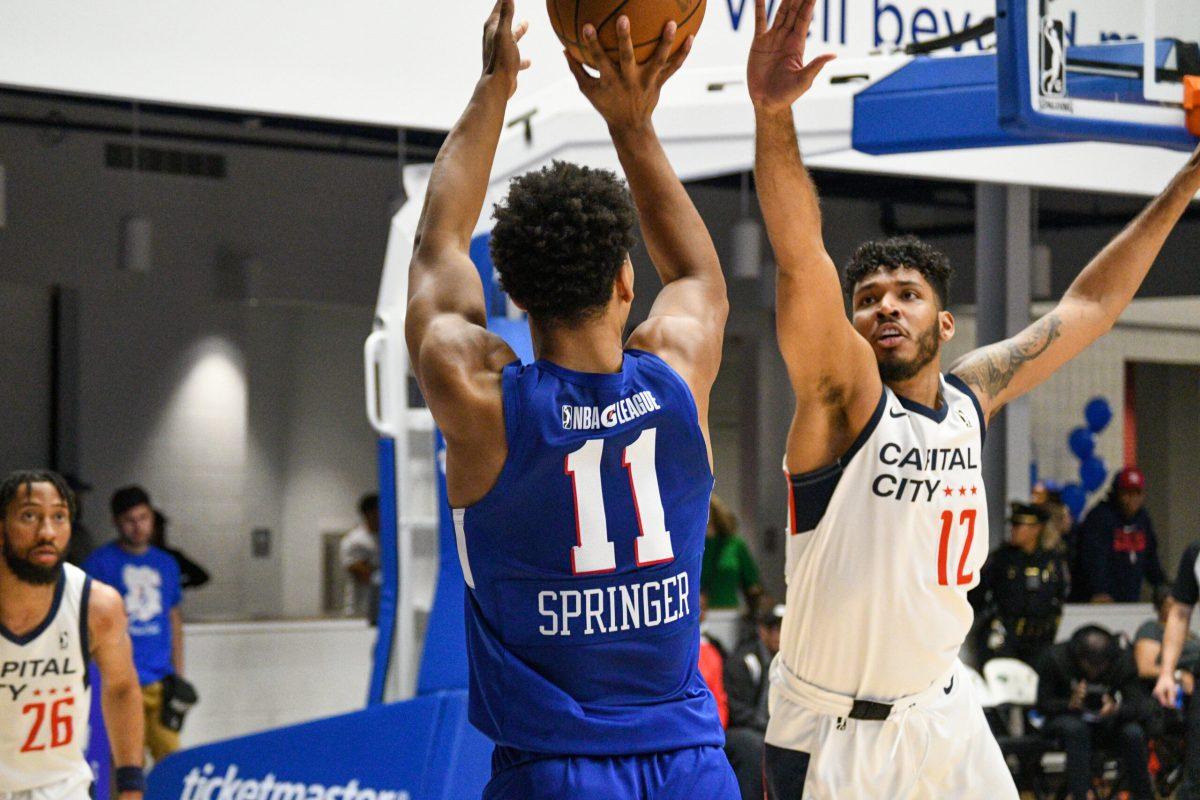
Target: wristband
130	779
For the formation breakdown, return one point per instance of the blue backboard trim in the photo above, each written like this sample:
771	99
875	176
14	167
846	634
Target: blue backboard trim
1015	101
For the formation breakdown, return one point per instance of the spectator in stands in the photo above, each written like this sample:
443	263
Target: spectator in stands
192	575
712	666
359	555
1118	547
1089	691
1022	589
1171	677
1059	525
1148	645
149	581
747	684
727	568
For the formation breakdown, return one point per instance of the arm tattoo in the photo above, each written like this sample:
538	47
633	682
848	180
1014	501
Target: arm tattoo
991	369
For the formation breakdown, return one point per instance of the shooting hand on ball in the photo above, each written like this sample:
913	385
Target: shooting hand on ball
626	93
501	56
777	73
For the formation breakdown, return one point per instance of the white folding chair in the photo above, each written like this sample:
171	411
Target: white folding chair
979	686
1011	682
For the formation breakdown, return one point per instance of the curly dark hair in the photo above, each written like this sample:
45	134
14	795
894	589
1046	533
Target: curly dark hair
13	483
900	251
561	236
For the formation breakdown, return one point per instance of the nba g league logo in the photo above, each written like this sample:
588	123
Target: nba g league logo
1053	81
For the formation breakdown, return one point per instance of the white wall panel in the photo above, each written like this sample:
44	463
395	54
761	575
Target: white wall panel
256	676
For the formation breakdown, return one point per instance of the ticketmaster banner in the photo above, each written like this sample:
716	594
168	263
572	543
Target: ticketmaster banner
422	749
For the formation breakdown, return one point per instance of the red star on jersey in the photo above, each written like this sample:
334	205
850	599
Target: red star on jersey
949	491
962	491
974	490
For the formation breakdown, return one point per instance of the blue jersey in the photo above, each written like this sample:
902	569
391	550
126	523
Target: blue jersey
583	566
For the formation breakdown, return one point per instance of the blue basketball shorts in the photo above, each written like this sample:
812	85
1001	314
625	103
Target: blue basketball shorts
693	773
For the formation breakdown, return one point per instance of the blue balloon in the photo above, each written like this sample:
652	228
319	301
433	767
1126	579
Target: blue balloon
1093	472
1075	498
1098	414
1082	443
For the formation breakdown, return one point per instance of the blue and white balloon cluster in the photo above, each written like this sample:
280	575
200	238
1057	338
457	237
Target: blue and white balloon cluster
1093	472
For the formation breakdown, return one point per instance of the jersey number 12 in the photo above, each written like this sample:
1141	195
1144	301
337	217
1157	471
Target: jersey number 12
594	552
967	520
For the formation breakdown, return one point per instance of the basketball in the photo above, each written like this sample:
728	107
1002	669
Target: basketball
646	21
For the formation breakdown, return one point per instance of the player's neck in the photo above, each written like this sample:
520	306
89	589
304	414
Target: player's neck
23	605
925	387
593	346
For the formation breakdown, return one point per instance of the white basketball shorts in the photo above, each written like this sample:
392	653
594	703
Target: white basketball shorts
933	746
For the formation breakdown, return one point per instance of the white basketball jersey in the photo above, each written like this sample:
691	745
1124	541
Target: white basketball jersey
882	548
44	693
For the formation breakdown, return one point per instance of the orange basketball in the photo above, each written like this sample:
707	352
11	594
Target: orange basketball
646	21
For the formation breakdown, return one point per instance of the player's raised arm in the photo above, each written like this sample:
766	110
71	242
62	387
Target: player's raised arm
445	327
1006	370
687	322
832	368
121	696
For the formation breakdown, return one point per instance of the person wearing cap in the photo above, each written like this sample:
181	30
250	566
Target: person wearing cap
149	581
1022	589
1118	546
1089	692
747	685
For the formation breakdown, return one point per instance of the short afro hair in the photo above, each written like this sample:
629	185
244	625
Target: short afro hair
900	251
11	486
561	237
128	497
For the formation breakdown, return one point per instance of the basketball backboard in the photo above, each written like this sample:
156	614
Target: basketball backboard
1114	70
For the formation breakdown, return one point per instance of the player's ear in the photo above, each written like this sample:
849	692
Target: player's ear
624	283
946	325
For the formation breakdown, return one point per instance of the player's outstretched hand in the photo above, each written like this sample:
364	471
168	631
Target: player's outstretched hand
501	56
777	73
1165	689
626	93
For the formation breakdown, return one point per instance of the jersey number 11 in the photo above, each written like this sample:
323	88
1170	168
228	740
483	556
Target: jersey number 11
594	552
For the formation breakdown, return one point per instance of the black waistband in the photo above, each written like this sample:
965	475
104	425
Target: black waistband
870	711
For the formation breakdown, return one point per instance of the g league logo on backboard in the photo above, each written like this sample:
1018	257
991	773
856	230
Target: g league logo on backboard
1053	81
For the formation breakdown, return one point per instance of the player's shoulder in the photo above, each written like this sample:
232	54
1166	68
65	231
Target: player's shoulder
460	369
683	343
453	354
106	608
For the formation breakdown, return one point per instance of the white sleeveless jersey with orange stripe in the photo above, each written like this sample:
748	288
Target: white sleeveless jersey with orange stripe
44	694
883	547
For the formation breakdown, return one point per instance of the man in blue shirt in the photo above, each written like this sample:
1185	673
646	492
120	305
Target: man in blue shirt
149	581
